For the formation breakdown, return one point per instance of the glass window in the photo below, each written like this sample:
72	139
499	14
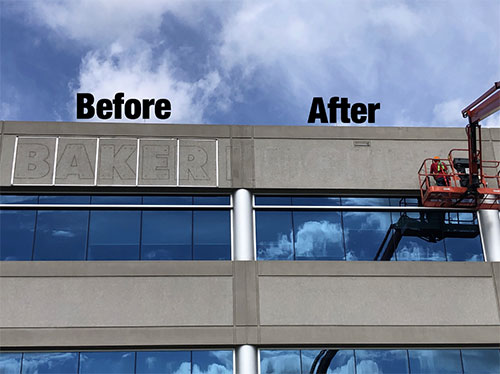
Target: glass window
18	199
330	361
404	201
365	201
279	362
366	233
17	229
419	236
64	199
211	235
432	361
107	362
220	362
462	242
50	363
117	200
178	362
61	235
318	235
274	235
316	201
212	200
114	235
273	200
167	235
168	200
10	363
381	361
483	361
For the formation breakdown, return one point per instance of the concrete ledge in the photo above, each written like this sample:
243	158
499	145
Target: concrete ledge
114	268
374	268
407	336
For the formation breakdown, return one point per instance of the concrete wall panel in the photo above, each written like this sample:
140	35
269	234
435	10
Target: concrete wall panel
377	301
116	301
6	156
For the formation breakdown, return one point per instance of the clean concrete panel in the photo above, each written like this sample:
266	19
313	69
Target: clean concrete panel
377	301
116	301
356	164
76	159
158	162
117	162
197	163
34	162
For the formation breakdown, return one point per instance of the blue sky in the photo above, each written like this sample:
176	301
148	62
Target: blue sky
250	61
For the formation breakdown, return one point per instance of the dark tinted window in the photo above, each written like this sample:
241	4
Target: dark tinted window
274	235
419	236
484	361
211	235
117	200
114	235
167	235
18	199
61	235
364	234
316	201
107	362
273	200
64	199
318	235
168	200
53	363
211	200
178	362
17	228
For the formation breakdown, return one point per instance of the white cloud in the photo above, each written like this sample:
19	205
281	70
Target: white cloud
449	113
408	56
412	251
319	239
132	70
212	369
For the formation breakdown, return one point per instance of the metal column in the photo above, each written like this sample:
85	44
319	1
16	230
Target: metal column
246	359
489	222
243	226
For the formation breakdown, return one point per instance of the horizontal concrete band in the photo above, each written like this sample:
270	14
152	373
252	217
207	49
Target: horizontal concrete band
252	157
282	336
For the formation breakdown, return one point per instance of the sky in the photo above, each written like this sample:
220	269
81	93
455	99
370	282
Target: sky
255	62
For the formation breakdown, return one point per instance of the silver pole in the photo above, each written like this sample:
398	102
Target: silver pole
489	222
246	359
243	226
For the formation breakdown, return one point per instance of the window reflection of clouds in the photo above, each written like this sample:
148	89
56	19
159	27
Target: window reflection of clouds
318	235
381	361
279	362
342	362
10	363
175	362
56	363
107	362
431	361
212	362
274	235
415	249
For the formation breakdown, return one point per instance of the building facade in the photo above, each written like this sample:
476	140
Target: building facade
216	249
